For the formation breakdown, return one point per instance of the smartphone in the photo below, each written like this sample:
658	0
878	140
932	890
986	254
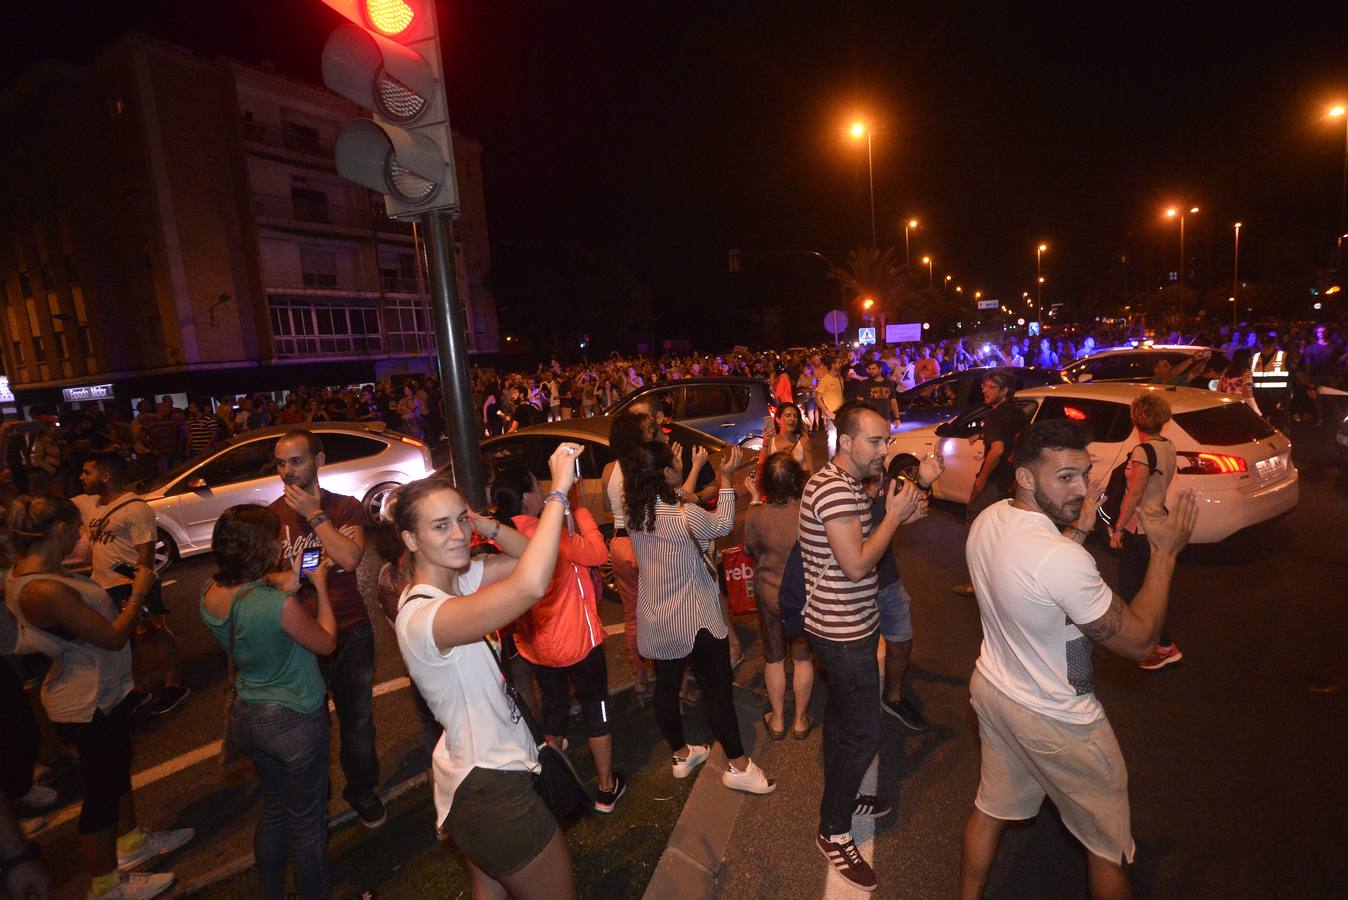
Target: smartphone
577	463
124	568
309	560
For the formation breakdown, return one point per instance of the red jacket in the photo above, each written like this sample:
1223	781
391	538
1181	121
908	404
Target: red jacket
563	626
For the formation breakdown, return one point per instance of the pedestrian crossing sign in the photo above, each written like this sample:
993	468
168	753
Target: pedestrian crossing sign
865	335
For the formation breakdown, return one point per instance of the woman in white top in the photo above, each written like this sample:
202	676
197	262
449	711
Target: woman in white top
786	434
74	622
484	765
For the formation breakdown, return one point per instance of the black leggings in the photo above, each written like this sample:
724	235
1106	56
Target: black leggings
1134	557
589	677
104	748
710	660
18	735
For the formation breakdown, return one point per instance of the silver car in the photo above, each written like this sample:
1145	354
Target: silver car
362	460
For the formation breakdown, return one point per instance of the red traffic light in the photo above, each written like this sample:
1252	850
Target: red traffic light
389	17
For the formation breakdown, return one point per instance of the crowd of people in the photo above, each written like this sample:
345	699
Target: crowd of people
496	619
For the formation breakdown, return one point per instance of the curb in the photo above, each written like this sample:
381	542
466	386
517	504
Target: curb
690	867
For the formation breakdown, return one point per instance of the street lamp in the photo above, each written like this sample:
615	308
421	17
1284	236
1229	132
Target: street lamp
1038	269
1235	279
907	255
945	287
1171	213
1339	112
859	130
931	279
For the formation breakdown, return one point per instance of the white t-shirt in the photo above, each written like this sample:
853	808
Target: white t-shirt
1032	584
615	497
465	691
117	538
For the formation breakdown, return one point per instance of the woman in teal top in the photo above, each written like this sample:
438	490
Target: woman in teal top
280	718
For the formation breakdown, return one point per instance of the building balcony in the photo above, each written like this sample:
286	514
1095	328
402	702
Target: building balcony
318	215
333	283
295	143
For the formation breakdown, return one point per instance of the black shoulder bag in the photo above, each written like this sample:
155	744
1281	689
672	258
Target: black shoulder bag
556	782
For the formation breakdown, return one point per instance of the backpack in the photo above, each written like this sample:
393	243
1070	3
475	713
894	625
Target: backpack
1118	484
791	595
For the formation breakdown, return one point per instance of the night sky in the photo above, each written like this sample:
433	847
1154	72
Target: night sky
662	135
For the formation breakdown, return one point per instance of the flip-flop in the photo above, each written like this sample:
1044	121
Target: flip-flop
773	733
964	590
809	726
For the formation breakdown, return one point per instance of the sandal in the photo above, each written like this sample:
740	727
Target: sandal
772	732
964	590
809	726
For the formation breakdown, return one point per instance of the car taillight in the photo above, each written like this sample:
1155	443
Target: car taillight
413	441
1210	464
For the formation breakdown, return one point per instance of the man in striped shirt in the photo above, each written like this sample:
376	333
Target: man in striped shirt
203	429
840	546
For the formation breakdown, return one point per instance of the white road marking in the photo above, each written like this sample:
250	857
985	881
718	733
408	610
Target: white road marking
169	583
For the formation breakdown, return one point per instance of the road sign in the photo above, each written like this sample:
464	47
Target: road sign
865	335
988	304
903	333
835	323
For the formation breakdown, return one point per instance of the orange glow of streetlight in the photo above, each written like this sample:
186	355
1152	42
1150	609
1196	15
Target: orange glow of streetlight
867	303
912	223
978	295
1336	111
1043	248
858	130
1171	213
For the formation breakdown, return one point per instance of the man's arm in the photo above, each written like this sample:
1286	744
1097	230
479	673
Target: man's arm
857	557
990	459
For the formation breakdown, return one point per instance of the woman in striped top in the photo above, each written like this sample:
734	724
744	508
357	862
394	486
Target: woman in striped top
679	604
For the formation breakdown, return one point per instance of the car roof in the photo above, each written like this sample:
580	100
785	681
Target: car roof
1181	399
369	428
700	379
988	370
1144	348
589	429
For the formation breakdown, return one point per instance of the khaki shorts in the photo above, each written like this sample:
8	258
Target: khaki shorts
1027	756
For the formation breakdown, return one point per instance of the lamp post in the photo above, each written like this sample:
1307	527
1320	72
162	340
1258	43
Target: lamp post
907	253
931	279
858	131
1171	213
1235	280
1038	270
1340	112
945	287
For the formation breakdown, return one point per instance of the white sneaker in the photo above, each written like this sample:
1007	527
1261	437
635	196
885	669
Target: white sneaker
40	797
157	843
697	755
137	886
752	780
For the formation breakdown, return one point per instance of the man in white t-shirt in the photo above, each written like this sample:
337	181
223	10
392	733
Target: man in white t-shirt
122	532
1043	605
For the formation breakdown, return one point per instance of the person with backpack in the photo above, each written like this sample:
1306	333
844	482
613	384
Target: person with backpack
561	635
1149	470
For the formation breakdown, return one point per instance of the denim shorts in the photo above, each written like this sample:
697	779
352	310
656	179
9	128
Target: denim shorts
498	820
896	612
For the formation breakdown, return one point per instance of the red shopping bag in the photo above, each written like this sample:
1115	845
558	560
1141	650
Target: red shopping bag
739	577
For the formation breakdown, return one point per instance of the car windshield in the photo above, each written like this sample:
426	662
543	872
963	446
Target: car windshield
1225	425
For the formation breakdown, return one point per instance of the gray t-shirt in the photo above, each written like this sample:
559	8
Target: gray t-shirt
1152	505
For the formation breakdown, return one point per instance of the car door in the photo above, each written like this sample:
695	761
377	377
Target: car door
962	446
710	409
243	473
1109	422
592	461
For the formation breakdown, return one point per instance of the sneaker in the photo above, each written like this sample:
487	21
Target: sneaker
1162	657
869	806
906	713
697	755
157	843
137	886
138	698
752	780
40	797
604	801
167	700
841	852
369	808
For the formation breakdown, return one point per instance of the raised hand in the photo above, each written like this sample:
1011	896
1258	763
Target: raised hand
1172	533
730	460
562	465
930	469
700	457
901	500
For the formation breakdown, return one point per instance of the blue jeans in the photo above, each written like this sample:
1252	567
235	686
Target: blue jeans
349	672
290	751
851	725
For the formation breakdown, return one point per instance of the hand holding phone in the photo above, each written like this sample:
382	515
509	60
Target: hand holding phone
309	560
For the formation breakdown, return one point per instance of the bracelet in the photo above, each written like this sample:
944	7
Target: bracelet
317	519
1081	531
494	532
560	498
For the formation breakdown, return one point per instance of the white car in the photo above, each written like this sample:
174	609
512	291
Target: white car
1137	362
362	460
1238	465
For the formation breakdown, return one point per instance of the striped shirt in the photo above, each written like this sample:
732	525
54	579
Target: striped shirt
676	595
838	608
201	433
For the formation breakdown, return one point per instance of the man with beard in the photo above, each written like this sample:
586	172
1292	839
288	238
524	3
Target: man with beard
1042	604
840	545
312	517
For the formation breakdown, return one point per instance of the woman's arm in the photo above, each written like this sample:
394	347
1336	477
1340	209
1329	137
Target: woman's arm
511	542
586	547
709	526
1138	473
466	619
48	603
318	635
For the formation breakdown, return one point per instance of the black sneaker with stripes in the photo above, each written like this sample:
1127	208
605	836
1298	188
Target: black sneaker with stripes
869	806
841	852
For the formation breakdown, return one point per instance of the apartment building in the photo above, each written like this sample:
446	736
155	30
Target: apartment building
175	225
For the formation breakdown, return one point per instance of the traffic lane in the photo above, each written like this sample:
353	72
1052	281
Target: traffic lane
1230	753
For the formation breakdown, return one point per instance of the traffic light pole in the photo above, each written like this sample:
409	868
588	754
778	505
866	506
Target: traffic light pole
456	387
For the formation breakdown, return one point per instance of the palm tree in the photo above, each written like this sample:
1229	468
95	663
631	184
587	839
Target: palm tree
874	273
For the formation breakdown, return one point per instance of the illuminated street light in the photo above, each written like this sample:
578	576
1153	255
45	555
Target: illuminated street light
931	279
1038	269
945	286
1338	112
1172	213
859	130
1235	278
907	255
867	303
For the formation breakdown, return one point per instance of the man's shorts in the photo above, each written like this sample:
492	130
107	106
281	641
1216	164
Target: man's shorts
1027	756
896	613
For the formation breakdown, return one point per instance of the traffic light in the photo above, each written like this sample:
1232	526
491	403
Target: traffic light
387	60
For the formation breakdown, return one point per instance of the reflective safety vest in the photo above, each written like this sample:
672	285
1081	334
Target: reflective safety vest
1270	373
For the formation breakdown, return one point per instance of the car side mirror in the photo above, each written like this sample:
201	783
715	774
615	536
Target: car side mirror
943	430
197	484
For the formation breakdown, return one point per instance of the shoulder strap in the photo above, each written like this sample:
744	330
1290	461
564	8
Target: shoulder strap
103	522
518	708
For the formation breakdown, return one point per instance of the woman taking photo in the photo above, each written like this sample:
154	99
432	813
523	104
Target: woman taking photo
679	615
74	622
630	431
770	532
280	714
788	435
484	768
561	635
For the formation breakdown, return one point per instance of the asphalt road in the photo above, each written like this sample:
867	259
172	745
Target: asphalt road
1235	755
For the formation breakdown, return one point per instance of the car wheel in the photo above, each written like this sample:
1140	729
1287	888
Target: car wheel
377	497
165	551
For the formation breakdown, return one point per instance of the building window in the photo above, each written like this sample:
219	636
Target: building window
301	138
86	341
62	346
72	271
18	353
25	286
48	279
409	326
318	267
303	327
310	205
398	272
39	351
